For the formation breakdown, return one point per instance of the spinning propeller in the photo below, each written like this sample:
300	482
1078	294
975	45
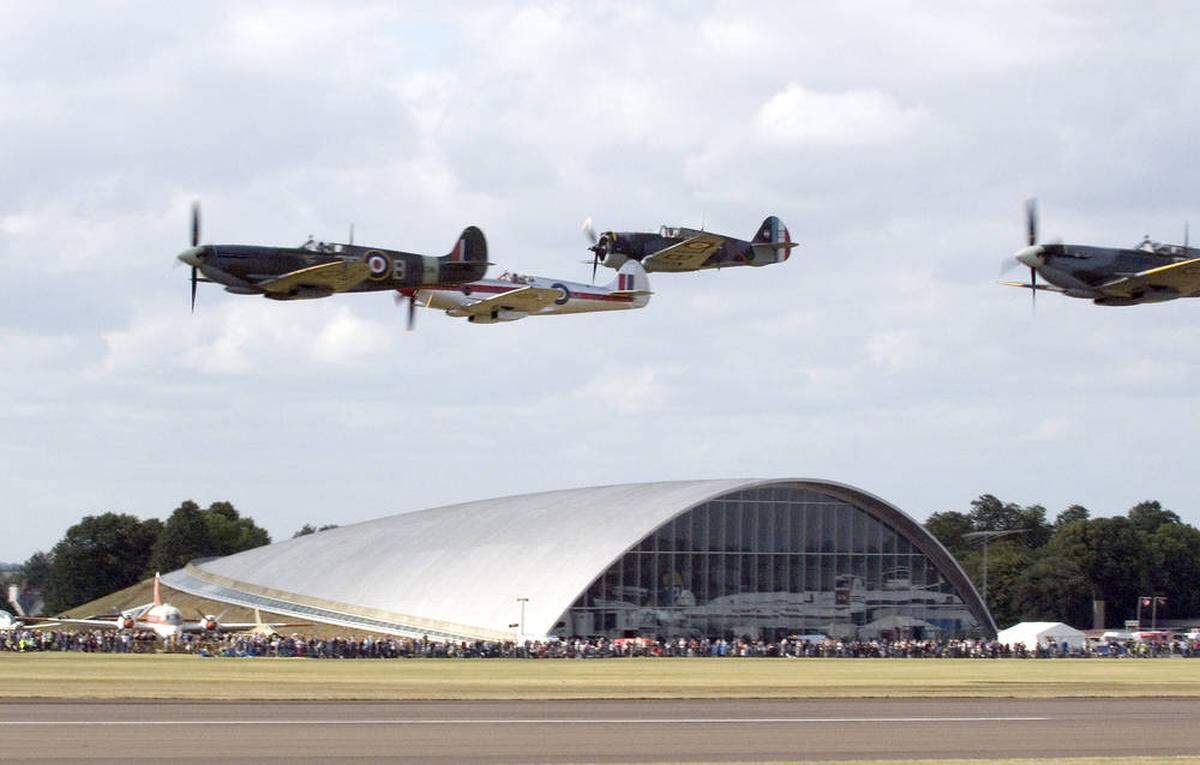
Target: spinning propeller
412	307
195	243
1031	232
590	232
1032	253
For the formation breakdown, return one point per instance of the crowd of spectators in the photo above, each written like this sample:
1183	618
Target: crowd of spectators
383	647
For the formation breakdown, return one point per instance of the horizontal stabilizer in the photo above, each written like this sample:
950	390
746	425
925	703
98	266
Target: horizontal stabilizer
775	245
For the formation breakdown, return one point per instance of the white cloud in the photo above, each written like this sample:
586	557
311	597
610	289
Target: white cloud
897	349
799	116
627	391
248	337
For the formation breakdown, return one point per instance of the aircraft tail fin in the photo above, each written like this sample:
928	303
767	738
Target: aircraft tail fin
631	280
157	594
772	236
468	260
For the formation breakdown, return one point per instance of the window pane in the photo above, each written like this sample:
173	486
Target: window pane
733	527
780	581
858	534
699	518
812	528
765	518
844	517
748	526
796	521
783	531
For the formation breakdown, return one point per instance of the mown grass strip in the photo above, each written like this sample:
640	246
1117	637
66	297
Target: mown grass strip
55	675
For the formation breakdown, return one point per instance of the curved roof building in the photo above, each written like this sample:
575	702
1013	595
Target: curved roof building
718	557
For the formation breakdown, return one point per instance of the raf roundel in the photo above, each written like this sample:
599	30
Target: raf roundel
565	294
379	264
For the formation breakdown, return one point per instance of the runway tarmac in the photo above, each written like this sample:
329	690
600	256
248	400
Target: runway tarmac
595	731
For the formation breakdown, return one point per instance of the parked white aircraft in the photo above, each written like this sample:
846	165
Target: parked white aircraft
515	296
164	619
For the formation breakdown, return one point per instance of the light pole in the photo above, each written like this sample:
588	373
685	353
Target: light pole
521	624
985	537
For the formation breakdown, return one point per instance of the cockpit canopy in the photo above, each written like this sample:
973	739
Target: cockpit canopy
314	246
509	276
1161	248
677	232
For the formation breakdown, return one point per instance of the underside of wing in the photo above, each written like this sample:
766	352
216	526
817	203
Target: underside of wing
687	255
526	299
1182	278
335	277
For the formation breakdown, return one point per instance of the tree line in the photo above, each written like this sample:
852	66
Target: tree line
1053	571
108	552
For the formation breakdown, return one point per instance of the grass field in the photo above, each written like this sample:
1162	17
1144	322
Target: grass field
57	675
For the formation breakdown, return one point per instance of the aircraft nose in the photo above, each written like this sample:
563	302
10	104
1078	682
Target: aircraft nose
193	256
1033	256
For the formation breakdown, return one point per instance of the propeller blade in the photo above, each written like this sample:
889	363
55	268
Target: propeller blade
1033	281
193	289
595	264
1031	221
195	223
412	311
589	231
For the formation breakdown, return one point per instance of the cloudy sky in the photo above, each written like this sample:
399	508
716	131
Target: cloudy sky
896	140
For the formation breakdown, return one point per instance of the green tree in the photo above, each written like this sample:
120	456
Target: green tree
1174	556
1032	519
1070	515
990	514
1007	560
1148	516
948	528
191	532
308	528
98	555
1112	554
1053	589
36	570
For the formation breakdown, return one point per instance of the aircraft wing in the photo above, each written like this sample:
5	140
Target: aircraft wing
1182	277
527	299
248	626
336	277
687	255
41	622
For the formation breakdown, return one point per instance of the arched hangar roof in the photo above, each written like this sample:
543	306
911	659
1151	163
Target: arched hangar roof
457	571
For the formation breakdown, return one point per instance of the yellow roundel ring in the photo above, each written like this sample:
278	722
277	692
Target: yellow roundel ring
379	264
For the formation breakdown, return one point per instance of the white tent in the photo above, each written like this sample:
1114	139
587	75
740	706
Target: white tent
1034	634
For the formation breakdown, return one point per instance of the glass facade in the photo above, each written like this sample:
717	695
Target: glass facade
770	562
